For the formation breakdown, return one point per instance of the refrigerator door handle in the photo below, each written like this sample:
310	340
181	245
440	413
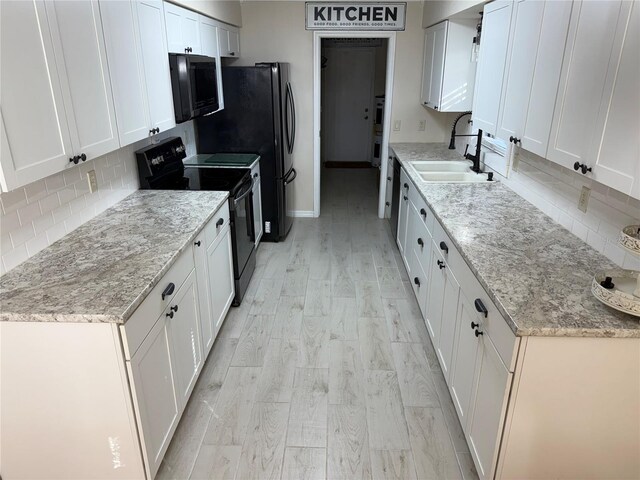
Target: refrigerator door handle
287	180
291	104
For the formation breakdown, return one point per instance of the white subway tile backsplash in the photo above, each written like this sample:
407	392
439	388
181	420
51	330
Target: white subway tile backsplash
41	213
555	190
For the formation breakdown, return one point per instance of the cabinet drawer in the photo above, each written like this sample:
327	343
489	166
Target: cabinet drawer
214	227
424	212
493	324
146	315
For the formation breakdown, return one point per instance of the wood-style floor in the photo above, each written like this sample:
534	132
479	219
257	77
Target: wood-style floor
326	370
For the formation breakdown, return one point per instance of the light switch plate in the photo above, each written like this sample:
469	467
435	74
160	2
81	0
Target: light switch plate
583	201
422	125
396	125
93	182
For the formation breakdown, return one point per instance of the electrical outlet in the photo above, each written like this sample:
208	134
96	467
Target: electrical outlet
422	125
396	125
267	227
93	182
584	199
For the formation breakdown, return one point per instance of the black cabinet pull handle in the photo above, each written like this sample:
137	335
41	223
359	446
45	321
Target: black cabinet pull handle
168	291
406	186
423	212
474	325
75	159
582	167
388	179
576	166
441	264
255	175
478	333
444	248
420	242
83	157
405	198
170	315
481	308
174	308
198	243
219	222
232	54
387	204
416	280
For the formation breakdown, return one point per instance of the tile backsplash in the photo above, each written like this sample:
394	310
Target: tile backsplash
37	215
556	190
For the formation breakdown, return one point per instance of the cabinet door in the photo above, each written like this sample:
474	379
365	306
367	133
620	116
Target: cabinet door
463	367
403	211
155	61
427	67
589	49
122	41
448	321
489	405
207	324
491	64
618	163
183	29
155	394
234	43
437	69
257	203
184	332
31	95
221	281
78	41
437	279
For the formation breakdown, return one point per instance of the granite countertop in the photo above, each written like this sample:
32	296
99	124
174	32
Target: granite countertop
104	269
536	272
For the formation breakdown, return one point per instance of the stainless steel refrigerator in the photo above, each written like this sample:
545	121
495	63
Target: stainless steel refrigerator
258	117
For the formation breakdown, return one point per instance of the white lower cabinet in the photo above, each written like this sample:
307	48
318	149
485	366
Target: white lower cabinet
403	211
448	319
207	325
220	268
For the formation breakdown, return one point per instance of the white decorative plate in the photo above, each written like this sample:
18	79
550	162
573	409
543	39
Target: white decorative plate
630	238
621	296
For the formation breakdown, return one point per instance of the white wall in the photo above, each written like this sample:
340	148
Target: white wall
227	11
435	11
37	215
274	31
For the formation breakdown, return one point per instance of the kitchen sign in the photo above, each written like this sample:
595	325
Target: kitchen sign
355	16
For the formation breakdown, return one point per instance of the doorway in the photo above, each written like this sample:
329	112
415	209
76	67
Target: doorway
353	75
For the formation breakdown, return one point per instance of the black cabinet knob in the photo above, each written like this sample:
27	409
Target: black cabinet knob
255	175
174	308
478	333
576	166
406	186
220	222
75	159
233	54
416	280
490	177
423	212
168	291
474	325
388	179
444	247
387	203
170	314
435	107
481	308
198	243
585	169
83	157
405	198
441	264
420	242
514	140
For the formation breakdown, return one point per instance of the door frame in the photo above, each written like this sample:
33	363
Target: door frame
386	125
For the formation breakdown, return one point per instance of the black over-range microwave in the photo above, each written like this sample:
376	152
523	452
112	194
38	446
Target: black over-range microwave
194	84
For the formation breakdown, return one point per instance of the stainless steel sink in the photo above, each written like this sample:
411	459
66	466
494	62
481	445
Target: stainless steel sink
440	166
453	177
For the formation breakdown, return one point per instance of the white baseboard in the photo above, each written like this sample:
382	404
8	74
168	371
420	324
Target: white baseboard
301	213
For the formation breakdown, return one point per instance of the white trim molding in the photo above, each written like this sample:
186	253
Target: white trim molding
386	129
301	213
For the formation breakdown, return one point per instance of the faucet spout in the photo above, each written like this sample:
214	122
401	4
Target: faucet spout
452	141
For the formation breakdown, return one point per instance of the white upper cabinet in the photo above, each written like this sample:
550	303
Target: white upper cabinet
595	33
183	29
78	43
61	95
139	67
210	48
618	149
31	97
448	71
228	41
491	61
532	72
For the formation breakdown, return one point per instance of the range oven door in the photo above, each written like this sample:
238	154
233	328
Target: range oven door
242	229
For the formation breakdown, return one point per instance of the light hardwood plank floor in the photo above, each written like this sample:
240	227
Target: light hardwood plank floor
326	370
